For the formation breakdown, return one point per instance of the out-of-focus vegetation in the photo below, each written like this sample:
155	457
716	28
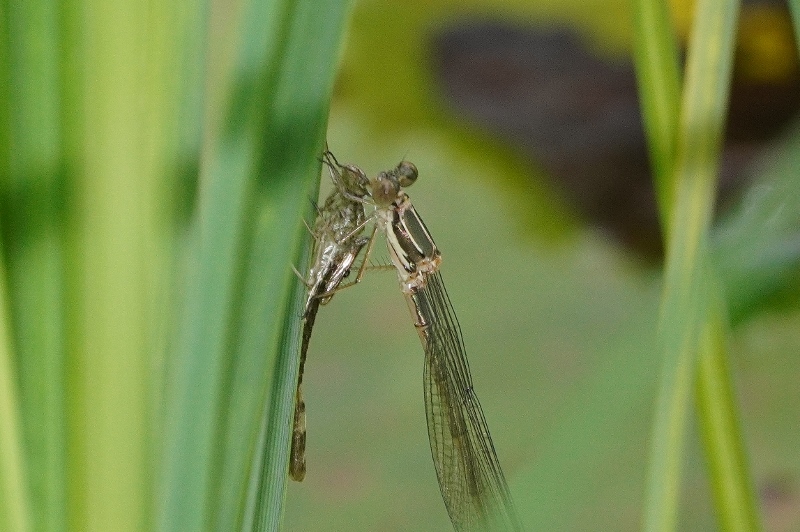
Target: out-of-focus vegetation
157	162
559	319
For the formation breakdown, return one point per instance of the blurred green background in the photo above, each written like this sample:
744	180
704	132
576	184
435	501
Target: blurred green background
558	318
157	164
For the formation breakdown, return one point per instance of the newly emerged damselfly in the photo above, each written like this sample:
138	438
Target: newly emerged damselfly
470	479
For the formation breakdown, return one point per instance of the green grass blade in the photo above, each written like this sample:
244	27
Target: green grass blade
195	373
309	63
261	167
678	337
176	60
716	408
122	208
15	506
33	231
719	425
685	310
302	63
268	476
658	75
794	5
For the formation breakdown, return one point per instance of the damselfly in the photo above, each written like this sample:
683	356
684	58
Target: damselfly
339	221
470	479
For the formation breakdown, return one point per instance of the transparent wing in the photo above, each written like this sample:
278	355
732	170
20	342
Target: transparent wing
470	478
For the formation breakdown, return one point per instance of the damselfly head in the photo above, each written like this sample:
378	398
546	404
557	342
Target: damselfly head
385	189
406	173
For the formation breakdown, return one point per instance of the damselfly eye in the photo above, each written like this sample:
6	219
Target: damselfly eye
385	189
406	174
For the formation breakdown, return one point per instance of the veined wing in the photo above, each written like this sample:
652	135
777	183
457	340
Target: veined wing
472	483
